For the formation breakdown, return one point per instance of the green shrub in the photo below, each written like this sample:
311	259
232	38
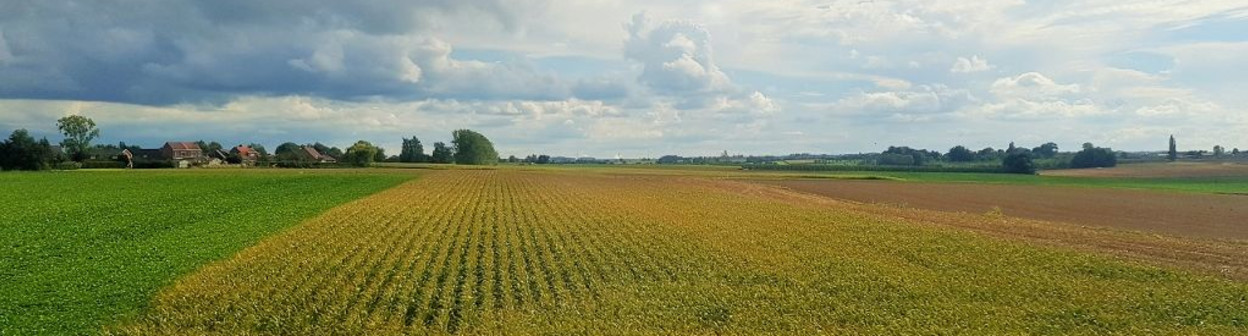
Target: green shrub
1018	162
68	165
103	164
154	164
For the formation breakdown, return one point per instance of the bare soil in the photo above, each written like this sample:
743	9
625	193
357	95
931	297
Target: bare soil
1219	255
1177	214
1176	169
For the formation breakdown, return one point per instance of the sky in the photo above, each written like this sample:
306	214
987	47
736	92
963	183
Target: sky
613	78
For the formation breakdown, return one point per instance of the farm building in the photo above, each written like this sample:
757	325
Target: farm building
218	157
315	155
183	153
246	154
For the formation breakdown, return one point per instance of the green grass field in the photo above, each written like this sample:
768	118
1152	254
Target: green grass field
80	249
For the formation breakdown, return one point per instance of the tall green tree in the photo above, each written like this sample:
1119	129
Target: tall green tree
1047	150
21	152
1094	157
380	156
960	154
1219	151
1174	150
289	148
412	151
1018	162
78	131
291	155
472	148
209	147
361	154
442	153
334	152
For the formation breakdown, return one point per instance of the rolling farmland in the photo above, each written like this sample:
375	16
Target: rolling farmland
516	252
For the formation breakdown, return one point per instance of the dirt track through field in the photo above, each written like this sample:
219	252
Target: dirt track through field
1187	215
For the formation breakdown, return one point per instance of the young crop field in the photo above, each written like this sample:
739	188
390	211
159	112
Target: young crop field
523	252
81	249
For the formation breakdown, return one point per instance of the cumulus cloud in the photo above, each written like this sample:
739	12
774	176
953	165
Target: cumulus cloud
1032	85
591	77
1179	108
1022	109
167	52
970	65
755	104
924	99
675	56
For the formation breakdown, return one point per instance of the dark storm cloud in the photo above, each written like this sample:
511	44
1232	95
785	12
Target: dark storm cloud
171	51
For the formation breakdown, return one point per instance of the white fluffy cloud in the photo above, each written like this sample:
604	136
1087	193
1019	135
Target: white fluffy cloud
675	56
970	65
923	100
592	77
1032	85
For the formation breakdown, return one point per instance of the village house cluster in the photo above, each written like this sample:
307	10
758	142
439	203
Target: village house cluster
189	154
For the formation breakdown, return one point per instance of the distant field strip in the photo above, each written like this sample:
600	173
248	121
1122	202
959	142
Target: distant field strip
509	252
1177	214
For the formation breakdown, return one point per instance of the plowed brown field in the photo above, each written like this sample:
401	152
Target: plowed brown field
1179	169
1188	215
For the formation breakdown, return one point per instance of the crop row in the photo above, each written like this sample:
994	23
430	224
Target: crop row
411	259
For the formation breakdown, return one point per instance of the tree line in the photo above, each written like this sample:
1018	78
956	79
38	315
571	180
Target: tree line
1014	159
21	151
467	148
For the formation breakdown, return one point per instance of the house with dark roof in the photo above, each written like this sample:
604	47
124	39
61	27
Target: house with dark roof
106	153
148	155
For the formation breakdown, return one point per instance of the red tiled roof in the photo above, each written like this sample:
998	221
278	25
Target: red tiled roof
183	145
245	151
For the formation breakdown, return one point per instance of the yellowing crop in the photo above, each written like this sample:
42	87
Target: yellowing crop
511	252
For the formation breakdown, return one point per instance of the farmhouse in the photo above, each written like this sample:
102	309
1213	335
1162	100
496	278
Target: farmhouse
315	155
183	153
246	155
